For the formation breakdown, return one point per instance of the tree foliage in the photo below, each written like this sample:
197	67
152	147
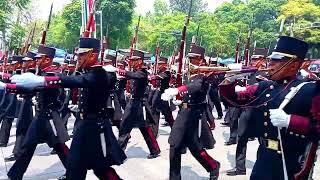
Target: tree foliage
7	8
218	31
184	5
64	31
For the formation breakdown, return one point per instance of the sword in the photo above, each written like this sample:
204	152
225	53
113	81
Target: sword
103	141
53	127
288	97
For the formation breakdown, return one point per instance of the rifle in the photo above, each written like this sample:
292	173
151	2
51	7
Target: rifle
247	49
30	40
308	163
86	33
133	46
157	59
44	32
182	44
104	45
26	43
236	59
135	38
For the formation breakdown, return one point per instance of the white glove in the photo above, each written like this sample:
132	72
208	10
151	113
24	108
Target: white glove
239	88
19	98
2	85
304	73
73	108
110	68
169	94
177	102
235	66
28	80
34	101
279	118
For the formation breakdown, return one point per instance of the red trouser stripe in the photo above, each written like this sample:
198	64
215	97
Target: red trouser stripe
111	174
153	139
209	159
65	149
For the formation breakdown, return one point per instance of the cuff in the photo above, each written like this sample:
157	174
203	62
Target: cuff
182	90
121	72
6	76
299	124
227	90
11	88
52	81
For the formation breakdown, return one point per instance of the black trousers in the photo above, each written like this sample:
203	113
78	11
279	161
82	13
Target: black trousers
241	153
200	154
234	121
102	172
21	164
215	99
167	113
5	130
148	136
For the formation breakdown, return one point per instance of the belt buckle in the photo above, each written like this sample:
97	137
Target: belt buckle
184	105
272	144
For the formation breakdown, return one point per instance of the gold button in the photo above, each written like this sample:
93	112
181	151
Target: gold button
265	113
271	87
302	136
267	95
291	133
265	123
297	135
265	134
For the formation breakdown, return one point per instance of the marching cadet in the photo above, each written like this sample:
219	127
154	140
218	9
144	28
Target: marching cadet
241	129
285	100
163	83
25	115
47	125
136	113
159	82
190	128
213	93
12	109
101	149
113	104
121	86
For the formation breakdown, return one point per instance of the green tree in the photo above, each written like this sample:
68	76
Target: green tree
184	5
118	18
17	33
160	8
64	31
7	8
299	16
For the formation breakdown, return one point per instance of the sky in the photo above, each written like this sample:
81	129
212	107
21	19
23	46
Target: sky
143	6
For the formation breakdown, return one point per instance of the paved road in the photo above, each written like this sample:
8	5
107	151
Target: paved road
137	167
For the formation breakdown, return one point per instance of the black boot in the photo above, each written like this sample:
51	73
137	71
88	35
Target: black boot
12	157
63	177
153	155
214	174
235	172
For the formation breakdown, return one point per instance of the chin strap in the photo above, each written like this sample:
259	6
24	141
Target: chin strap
283	66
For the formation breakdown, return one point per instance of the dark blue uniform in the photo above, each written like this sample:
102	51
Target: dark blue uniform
41	129
184	132
261	98
133	115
